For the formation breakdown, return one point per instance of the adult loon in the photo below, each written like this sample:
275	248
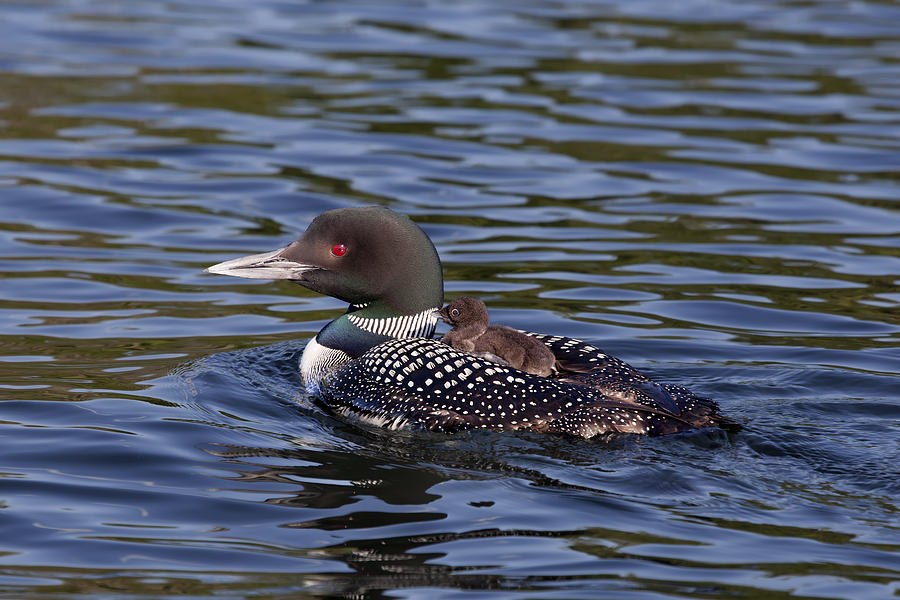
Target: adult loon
378	363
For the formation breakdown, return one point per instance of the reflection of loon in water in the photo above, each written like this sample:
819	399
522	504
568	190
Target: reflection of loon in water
378	363
471	333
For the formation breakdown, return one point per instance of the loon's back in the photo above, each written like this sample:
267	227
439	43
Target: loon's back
424	383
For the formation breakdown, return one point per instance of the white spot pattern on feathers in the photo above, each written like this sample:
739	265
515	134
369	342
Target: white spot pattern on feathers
610	397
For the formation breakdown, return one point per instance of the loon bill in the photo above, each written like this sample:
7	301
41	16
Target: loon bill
378	363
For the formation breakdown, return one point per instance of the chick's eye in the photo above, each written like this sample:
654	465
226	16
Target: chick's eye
454	312
339	250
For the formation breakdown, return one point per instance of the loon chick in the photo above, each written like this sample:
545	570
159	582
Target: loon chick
471	333
376	362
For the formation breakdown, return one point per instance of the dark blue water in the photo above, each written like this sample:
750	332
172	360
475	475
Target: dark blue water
707	189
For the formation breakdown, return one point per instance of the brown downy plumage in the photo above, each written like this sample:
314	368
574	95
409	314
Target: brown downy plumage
472	333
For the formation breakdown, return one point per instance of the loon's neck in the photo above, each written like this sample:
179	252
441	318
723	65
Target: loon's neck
357	330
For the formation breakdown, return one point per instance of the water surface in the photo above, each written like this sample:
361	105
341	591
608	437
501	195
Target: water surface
705	189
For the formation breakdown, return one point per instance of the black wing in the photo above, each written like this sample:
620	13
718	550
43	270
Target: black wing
581	363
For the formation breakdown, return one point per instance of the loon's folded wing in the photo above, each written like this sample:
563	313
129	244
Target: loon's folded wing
581	363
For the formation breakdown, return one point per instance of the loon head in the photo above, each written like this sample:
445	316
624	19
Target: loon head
366	256
379	262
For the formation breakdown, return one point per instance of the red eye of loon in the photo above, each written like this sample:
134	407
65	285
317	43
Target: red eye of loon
339	250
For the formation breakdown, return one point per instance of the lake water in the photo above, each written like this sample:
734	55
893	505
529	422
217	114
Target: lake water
707	189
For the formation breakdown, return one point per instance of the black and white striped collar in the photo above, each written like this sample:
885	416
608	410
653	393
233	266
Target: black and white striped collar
406	326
